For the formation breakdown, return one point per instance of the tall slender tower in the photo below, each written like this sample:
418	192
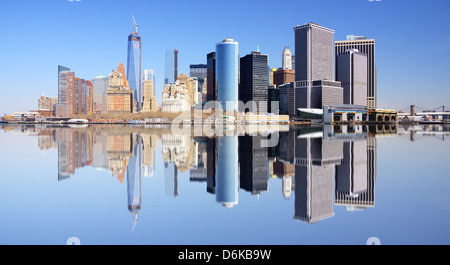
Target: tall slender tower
134	66
227	74
175	64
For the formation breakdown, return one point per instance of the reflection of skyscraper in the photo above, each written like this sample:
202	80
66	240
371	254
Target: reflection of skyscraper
253	164
74	151
287	146
211	153
285	171
199	172
351	174
149	145
134	67
227	171
119	149
100	152
170	179
314	161
134	179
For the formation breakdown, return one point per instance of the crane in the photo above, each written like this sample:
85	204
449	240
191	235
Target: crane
135	25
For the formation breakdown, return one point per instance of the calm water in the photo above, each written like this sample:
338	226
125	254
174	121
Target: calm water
142	185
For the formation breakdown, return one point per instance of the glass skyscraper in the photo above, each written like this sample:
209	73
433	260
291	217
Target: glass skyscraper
227	74
134	67
171	66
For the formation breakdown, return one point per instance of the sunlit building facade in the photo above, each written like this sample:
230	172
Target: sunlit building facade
119	98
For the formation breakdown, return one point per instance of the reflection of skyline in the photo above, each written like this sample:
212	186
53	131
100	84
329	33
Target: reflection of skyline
318	167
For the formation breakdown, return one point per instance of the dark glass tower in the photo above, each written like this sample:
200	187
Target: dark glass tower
211	85
253	80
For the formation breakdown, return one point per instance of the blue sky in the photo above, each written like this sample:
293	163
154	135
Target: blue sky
90	36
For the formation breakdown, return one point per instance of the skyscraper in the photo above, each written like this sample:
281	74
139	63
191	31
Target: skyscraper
313	52
365	46
286	59
351	71
171	66
253	80
149	99
100	84
175	64
313	62
66	88
227	74
200	71
134	66
211	84
119	98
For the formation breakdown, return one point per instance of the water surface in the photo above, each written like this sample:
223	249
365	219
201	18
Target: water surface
145	185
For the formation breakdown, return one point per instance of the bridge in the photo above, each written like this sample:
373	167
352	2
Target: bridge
438	113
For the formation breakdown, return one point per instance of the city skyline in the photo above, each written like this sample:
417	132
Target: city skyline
401	80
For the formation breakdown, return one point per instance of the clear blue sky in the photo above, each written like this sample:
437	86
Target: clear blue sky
90	36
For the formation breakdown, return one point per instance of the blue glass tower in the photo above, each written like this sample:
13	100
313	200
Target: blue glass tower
227	183
134	66
227	59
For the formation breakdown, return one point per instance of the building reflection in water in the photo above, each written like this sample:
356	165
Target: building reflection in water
134	178
314	163
253	164
227	171
319	166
